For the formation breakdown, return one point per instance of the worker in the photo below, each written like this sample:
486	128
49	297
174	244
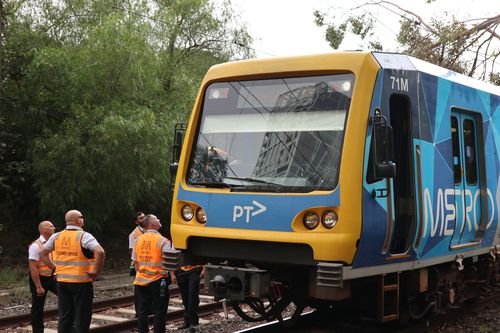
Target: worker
78	260
188	279
151	280
136	233
41	277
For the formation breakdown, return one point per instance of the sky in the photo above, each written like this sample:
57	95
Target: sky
286	27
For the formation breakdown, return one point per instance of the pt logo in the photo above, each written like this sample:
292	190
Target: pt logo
239	211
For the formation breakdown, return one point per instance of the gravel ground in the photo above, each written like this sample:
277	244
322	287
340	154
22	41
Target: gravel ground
488	321
20	300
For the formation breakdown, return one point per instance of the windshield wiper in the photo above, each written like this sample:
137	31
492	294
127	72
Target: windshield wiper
258	185
253	180
213	185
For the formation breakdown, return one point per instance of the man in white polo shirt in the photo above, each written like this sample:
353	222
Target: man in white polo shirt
41	277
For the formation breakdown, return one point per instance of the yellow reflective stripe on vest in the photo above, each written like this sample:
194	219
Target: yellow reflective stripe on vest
137	232
79	278
150	264
141	281
44	272
164	272
160	243
73	263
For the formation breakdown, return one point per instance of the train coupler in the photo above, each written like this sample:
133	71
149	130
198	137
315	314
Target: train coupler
236	283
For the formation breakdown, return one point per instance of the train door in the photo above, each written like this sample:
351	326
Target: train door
464	133
404	183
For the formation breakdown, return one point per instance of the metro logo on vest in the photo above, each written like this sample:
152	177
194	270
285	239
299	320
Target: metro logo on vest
66	242
146	246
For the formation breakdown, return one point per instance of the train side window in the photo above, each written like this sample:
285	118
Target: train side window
457	169
470	152
370	174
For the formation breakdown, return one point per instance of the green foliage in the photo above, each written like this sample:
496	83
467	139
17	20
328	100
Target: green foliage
464	46
91	91
444	47
360	25
335	35
101	161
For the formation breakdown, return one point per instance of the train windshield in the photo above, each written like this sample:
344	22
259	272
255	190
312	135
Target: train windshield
272	135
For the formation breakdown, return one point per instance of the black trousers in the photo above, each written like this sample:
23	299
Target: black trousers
189	285
150	299
38	302
136	304
75	307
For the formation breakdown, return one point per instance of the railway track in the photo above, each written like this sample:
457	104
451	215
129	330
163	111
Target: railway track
117	314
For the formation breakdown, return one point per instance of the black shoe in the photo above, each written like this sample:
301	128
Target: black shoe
183	326
193	328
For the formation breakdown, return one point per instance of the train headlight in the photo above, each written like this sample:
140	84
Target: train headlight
311	220
329	219
201	216
187	212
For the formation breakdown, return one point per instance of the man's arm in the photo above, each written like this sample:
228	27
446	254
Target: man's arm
44	257
173	277
202	273
33	265
99	261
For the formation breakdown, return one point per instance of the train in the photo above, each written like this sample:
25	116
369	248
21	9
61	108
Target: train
366	181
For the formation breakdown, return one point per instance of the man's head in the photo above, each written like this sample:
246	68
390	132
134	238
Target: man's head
151	222
74	217
139	219
46	229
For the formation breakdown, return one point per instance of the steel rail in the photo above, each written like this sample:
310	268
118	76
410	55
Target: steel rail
49	314
127	325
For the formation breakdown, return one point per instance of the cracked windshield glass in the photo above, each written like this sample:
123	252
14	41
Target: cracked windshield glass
271	135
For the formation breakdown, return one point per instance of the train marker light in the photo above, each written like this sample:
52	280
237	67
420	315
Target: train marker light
187	212
311	220
346	86
329	219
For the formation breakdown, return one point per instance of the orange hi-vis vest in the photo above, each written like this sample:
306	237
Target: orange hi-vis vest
149	256
186	268
71	264
43	270
137	232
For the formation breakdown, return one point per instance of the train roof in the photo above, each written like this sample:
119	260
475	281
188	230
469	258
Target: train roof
341	60
405	62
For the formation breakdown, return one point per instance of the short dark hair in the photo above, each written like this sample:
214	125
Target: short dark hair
138	214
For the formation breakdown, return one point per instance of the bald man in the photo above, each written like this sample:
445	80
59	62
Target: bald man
41	276
78	260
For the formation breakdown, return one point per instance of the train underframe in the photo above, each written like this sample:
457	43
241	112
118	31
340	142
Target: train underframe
260	291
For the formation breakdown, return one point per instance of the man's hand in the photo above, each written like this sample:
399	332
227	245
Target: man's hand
40	291
93	274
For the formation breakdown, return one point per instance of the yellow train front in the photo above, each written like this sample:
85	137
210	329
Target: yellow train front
302	180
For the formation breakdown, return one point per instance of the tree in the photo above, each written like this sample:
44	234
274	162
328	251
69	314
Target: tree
93	99
466	46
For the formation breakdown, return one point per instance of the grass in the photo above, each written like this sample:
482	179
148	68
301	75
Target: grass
13	277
